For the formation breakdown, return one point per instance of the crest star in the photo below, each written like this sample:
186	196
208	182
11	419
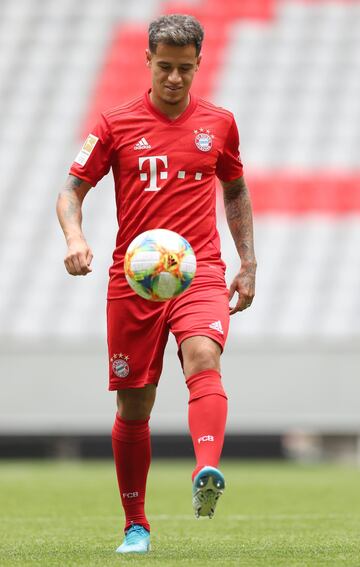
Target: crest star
126	357
208	131
195	131
201	129
121	355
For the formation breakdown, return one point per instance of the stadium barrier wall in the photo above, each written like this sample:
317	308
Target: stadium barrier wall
273	388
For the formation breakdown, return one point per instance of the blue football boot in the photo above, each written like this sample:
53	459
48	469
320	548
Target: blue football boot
208	485
137	540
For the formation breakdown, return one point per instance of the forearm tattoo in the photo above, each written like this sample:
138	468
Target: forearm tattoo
239	217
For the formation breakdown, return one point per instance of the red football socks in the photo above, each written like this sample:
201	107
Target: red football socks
132	455
207	417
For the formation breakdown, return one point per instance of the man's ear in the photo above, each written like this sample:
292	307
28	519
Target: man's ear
198	61
148	56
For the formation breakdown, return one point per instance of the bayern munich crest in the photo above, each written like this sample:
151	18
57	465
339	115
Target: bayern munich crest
203	139
120	366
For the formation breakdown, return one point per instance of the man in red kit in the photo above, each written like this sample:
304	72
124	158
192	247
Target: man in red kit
165	149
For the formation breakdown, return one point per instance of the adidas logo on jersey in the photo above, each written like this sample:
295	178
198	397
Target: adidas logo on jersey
142	144
217	326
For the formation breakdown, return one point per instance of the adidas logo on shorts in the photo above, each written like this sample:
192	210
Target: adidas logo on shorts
217	326
142	144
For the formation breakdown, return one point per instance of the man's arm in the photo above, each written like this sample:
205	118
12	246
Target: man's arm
240	220
78	257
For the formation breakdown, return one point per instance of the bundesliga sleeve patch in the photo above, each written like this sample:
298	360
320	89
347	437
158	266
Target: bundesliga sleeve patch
86	150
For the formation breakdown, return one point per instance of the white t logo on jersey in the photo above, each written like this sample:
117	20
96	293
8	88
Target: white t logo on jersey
153	171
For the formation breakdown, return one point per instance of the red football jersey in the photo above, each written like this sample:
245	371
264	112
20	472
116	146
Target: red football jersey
164	172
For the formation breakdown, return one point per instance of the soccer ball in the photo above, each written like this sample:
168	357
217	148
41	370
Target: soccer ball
159	264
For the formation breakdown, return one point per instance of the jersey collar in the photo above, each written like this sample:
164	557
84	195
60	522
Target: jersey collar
161	116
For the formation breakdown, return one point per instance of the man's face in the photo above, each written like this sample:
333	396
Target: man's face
172	70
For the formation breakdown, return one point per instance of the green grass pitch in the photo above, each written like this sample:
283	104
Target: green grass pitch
272	514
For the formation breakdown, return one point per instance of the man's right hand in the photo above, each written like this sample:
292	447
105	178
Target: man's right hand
78	258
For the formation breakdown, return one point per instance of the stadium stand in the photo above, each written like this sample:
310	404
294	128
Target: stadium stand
290	71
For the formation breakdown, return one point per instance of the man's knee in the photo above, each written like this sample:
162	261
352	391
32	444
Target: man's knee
203	359
200	353
136	403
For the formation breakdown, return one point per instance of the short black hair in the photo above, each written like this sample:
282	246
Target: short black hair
176	29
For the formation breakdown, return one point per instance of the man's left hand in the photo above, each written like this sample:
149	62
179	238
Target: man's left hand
244	284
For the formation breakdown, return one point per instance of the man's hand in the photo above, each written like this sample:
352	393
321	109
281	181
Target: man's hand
78	258
239	217
244	284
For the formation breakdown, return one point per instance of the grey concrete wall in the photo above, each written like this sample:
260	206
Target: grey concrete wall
272	388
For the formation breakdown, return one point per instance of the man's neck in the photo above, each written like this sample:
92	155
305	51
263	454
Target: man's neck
172	111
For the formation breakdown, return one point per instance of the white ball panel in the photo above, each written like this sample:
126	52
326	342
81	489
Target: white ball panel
167	238
188	265
145	260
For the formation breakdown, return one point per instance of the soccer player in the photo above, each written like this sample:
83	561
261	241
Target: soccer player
165	149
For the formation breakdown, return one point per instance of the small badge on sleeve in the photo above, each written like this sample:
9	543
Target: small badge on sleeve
86	150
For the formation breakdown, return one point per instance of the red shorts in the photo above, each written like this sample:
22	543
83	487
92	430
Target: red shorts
138	329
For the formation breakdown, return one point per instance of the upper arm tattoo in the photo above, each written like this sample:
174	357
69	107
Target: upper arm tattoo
74	192
78	185
73	182
76	188
232	189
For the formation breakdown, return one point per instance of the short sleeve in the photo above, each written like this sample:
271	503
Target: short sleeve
94	159
229	164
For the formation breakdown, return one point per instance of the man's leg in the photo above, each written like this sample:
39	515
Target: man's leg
133	373
207	419
132	455
207	401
